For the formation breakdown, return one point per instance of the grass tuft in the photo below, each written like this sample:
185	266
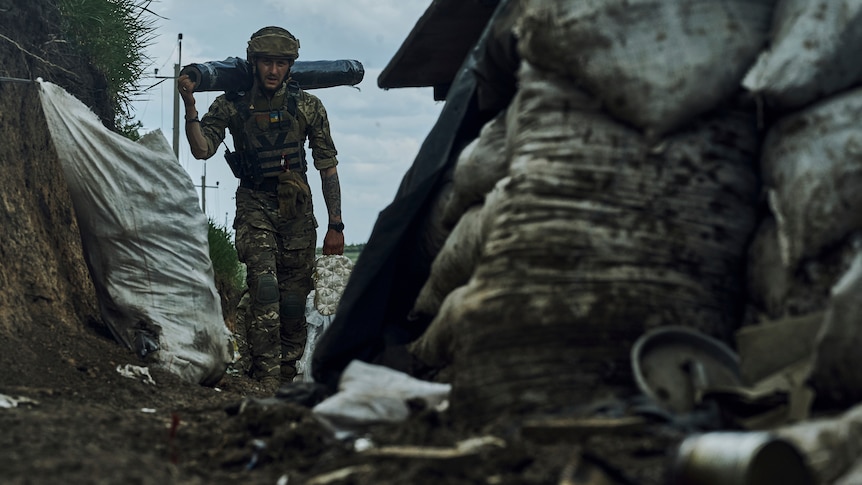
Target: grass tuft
114	34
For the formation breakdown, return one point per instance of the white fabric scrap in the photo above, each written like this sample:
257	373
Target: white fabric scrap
136	372
8	402
369	394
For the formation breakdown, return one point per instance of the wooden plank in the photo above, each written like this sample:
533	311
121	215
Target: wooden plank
438	44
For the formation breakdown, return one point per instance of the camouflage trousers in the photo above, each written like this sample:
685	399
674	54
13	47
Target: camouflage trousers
279	256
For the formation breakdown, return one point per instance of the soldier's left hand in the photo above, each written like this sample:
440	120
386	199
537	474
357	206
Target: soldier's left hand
333	242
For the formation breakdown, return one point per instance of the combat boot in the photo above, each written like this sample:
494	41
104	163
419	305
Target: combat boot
288	371
270	384
267	372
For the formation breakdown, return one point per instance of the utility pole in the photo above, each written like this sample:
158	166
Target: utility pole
177	68
204	188
177	97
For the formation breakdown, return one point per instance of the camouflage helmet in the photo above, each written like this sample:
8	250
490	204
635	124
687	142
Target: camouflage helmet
272	42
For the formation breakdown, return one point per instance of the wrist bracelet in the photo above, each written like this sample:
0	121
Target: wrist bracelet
193	120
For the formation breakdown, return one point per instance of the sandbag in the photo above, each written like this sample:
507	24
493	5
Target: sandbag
598	238
453	207
454	264
653	63
478	168
145	241
331	273
330	277
813	53
776	292
835	374
768	279
434	230
438	345
853	476
812	171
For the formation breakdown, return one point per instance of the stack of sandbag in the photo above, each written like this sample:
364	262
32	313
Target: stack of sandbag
450	271
331	273
628	204
330	277
812	174
480	165
808	82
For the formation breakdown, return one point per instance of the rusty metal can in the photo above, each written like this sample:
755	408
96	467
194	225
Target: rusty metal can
739	458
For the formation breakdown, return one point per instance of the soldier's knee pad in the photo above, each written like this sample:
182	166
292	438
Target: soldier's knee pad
267	289
293	306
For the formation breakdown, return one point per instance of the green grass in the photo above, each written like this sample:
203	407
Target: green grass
114	34
229	272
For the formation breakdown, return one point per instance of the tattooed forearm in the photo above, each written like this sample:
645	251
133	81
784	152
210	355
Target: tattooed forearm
332	193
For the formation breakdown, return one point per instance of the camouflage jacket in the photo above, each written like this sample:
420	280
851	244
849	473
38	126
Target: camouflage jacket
311	117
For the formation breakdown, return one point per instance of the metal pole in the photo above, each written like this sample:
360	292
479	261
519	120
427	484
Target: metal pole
204	190
177	98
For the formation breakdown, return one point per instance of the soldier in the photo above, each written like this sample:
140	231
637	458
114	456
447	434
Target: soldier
275	225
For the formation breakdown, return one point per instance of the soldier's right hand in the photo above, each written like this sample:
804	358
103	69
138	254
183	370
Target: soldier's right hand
186	87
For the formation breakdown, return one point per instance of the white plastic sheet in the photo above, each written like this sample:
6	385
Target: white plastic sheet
145	240
316	324
369	394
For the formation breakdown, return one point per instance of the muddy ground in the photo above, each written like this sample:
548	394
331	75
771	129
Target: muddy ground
78	420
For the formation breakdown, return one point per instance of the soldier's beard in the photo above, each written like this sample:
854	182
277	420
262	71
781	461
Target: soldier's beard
262	82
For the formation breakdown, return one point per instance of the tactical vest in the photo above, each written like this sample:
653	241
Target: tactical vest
271	138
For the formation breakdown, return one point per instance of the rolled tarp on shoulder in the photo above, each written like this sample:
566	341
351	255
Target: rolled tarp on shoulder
235	74
145	241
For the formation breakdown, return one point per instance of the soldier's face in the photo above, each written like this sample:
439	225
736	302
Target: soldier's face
272	72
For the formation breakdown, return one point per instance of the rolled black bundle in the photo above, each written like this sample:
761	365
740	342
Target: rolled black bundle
231	74
235	74
327	74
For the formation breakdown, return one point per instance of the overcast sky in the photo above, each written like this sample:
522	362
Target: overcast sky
377	133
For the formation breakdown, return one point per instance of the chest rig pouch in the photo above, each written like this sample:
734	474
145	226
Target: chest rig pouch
270	138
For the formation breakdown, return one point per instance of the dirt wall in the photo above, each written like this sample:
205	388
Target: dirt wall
45	287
